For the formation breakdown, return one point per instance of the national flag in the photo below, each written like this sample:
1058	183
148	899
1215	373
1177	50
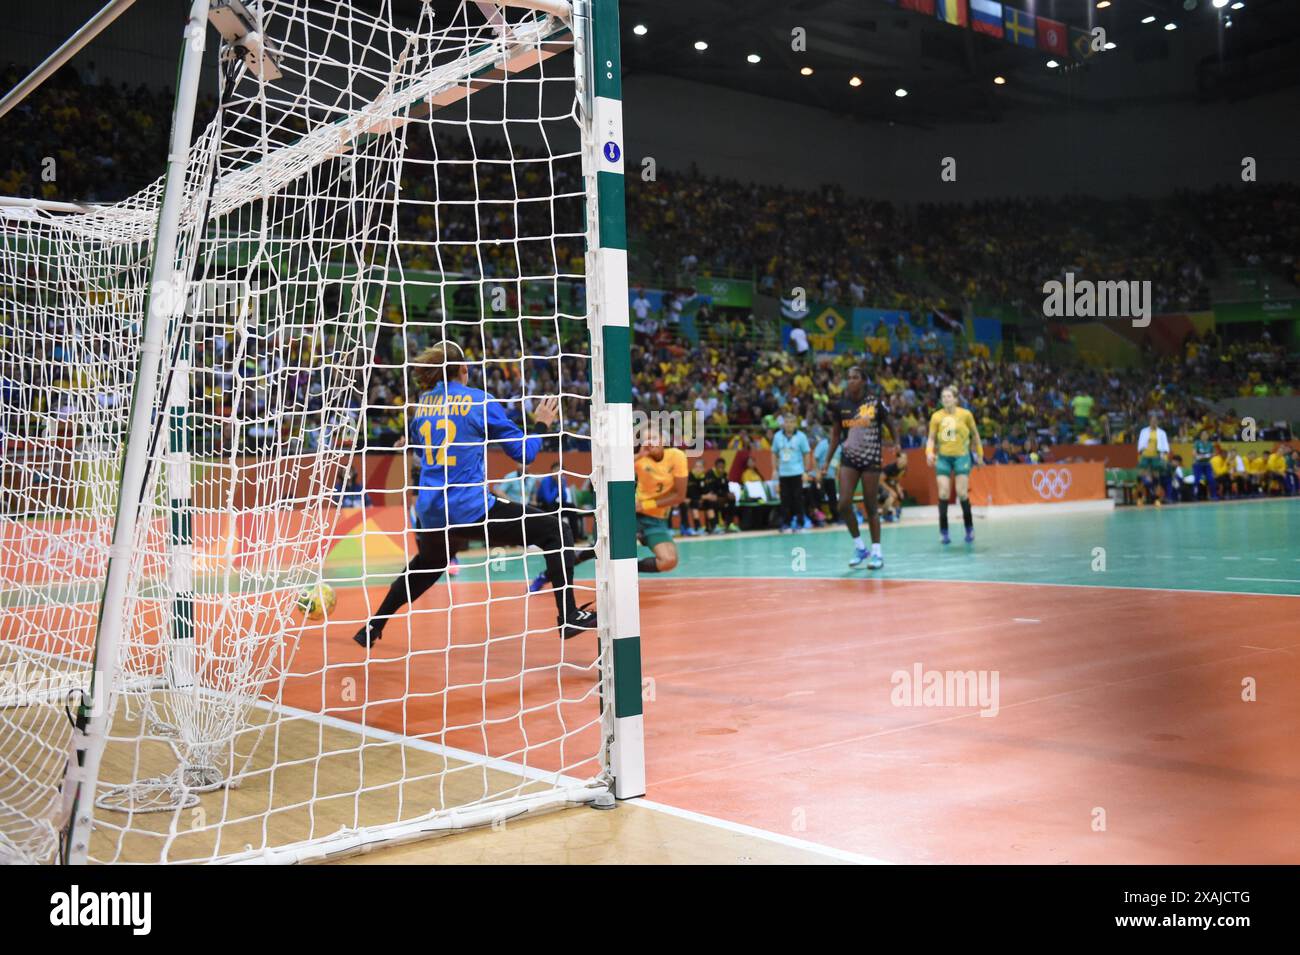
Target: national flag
1082	43
1053	37
1020	26
951	11
986	17
920	6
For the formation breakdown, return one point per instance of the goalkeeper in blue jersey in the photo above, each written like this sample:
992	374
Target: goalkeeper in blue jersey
452	425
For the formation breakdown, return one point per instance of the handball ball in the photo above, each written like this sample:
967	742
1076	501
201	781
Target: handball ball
318	601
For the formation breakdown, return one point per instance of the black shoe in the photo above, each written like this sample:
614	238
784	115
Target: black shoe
584	620
368	634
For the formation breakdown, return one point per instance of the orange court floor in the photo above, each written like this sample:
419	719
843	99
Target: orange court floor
1145	714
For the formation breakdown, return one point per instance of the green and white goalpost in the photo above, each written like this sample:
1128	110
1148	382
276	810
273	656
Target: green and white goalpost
187	376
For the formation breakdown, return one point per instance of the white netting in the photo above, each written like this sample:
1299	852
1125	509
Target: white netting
334	221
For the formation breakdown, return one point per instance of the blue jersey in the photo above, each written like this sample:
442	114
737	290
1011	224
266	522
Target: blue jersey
452	426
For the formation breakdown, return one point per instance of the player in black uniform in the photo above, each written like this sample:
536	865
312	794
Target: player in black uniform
695	518
859	421
718	501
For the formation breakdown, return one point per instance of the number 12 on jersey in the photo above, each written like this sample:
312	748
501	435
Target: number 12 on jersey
438	454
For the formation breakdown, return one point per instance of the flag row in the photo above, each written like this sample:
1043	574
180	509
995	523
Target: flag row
1004	22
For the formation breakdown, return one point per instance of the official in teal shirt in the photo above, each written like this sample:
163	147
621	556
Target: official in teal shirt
791	451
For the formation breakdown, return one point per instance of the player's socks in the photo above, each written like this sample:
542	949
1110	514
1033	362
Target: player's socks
580	555
943	521
966	517
647	565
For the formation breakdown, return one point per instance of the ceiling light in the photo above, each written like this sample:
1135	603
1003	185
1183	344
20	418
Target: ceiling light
1102	4
701	45
1171	26
1000	80
1110	45
1052	64
1150	19
754	58
806	71
855	81
640	29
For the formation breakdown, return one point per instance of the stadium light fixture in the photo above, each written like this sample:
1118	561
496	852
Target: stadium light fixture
1052	64
1219	4
1149	19
1110	45
1238	5
1171	26
754	58
855	81
701	45
1102	4
1000	80
640	29
900	92
806	71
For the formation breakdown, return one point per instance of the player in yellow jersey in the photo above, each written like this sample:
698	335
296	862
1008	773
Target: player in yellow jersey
660	486
953	446
661	479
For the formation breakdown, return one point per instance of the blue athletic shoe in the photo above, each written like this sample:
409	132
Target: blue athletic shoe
944	538
540	581
859	555
970	535
875	562
807	524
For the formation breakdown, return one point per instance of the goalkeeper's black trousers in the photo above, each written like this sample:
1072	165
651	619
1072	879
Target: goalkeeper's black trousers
508	525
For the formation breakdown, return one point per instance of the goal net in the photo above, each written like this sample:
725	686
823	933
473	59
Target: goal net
367	185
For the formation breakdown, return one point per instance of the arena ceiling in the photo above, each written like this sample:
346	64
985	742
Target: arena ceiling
949	72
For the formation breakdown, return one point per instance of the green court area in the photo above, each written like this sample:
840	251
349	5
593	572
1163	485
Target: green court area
1235	547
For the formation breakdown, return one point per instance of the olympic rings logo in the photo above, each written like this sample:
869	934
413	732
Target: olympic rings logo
1051	483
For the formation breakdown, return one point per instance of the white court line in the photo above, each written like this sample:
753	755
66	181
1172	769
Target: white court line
559	779
667	579
842	855
1026	620
1271	580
